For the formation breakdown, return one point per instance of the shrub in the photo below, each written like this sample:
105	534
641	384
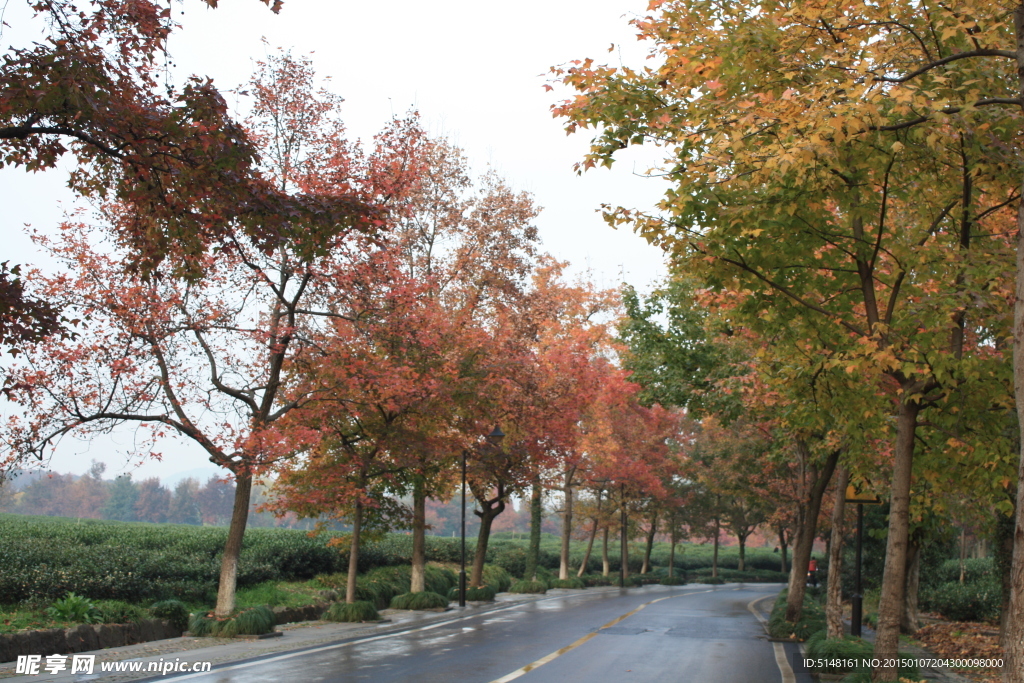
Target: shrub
354	611
713	580
497	578
119	612
484	593
567	583
820	647
76	609
173	611
512	559
979	601
525	586
440	579
252	621
420	600
672	581
596	580
812	619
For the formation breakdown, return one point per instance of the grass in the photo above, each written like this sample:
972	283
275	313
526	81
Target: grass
351	612
812	619
281	594
251	621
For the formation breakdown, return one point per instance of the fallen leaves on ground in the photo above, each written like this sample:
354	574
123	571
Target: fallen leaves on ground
963	640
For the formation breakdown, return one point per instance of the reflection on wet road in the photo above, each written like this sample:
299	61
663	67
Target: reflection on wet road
703	634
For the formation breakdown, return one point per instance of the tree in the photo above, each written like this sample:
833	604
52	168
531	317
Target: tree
208	359
92	81
851	121
153	502
184	508
124	494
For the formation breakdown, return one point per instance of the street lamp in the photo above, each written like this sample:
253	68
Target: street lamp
494	438
856	608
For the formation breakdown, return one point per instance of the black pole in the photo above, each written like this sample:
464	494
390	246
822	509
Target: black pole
858	597
462	571
622	533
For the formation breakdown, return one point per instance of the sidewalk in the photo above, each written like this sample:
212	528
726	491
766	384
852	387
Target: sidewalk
295	636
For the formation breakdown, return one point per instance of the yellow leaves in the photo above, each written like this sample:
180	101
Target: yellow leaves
897	147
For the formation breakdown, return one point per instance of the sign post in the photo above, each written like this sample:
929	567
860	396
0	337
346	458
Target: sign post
853	495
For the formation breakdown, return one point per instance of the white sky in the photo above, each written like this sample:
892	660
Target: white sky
475	71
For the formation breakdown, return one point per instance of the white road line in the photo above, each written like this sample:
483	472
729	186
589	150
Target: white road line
780	652
558	653
370	639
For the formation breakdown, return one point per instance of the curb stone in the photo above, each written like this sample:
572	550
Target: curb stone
293	636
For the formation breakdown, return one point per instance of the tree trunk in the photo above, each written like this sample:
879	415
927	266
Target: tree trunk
1003	561
533	554
908	622
783	548
673	539
742	564
419	530
890	607
1013	633
353	553
490	510
834	592
233	547
807	530
963	553
590	543
714	554
563	564
650	543
605	565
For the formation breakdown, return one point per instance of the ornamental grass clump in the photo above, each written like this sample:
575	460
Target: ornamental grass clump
567	583
252	621
538	587
672	581
360	610
419	600
484	593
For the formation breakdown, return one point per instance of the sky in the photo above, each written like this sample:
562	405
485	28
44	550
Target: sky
476	73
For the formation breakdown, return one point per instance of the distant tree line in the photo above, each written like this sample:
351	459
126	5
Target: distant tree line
127	500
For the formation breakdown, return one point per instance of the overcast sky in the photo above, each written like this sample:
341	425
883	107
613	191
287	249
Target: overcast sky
474	70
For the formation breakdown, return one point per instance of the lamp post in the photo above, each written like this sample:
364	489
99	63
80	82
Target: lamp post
494	438
853	495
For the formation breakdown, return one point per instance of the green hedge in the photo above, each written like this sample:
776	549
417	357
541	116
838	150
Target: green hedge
44	558
976	601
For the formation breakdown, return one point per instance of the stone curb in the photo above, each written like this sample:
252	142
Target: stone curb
83	638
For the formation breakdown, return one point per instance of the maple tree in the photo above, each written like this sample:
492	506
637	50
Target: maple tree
401	366
208	358
91	87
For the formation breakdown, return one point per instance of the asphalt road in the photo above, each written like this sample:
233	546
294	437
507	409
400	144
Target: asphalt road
705	634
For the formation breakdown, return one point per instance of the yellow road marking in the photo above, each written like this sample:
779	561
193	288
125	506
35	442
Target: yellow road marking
558	653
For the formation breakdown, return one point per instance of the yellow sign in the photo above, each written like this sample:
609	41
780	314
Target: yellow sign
855	496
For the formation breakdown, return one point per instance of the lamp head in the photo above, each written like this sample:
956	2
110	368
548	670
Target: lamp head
496	436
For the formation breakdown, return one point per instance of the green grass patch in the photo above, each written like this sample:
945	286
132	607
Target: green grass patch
420	600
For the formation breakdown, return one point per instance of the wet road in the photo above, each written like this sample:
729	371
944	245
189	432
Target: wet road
705	634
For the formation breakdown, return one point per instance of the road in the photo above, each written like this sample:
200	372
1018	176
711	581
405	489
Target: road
705	634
